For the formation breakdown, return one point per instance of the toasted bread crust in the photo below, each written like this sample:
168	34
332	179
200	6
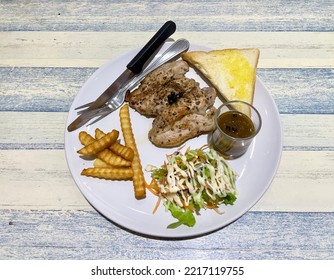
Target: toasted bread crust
231	71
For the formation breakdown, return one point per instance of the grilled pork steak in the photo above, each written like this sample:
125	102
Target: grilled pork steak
151	97
182	109
175	133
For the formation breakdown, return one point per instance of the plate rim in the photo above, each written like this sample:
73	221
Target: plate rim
186	235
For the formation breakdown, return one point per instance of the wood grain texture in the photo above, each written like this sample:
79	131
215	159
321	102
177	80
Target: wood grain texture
92	49
189	15
87	235
35	179
40	89
45	130
48	49
305	91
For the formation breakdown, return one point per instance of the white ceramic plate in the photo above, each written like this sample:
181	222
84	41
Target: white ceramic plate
115	199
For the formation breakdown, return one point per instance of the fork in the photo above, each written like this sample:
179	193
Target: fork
118	99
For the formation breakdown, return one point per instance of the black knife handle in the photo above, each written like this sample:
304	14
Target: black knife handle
137	63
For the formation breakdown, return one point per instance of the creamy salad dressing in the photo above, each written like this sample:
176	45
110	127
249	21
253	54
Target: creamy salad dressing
197	179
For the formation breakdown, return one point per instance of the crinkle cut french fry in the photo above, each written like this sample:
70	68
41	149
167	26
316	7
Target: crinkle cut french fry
119	149
85	138
117	173
105	155
100	144
100	163
123	151
99	133
138	175
112	159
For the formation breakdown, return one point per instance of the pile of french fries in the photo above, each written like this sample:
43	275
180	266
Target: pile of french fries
113	160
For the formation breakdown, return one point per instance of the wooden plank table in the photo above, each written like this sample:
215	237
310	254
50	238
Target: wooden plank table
49	49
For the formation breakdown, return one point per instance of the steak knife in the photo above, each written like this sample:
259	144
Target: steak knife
134	67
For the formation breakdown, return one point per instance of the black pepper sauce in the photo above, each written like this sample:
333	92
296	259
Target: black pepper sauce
236	124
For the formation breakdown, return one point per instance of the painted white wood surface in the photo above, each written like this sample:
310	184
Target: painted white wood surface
190	15
87	235
87	49
48	50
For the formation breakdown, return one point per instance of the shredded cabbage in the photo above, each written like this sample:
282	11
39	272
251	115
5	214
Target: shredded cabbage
192	181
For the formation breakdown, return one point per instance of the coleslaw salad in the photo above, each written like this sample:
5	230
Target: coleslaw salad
194	180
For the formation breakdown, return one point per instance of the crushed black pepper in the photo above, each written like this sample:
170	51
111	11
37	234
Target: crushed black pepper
174	97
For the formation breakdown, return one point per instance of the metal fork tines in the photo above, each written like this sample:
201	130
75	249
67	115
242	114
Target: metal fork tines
111	106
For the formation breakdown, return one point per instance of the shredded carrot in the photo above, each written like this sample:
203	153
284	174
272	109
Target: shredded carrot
157	204
187	206
153	191
211	206
152	187
201	149
163	180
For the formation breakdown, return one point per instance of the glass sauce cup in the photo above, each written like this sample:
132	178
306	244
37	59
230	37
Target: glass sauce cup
237	123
